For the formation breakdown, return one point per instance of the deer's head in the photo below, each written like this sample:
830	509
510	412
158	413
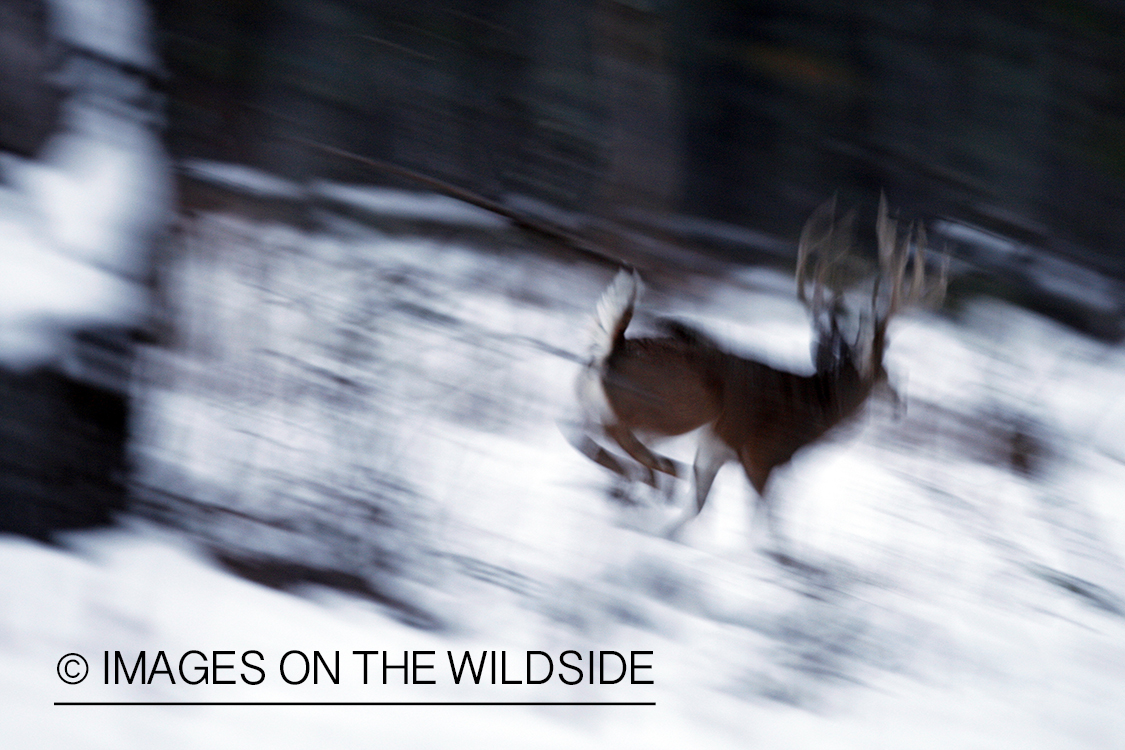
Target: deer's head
827	268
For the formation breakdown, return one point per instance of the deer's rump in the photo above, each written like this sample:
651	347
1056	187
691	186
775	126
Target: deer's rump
661	387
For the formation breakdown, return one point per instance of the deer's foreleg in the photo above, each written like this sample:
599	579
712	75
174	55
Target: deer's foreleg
710	456
758	473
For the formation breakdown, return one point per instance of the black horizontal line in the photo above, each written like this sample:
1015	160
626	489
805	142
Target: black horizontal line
355	703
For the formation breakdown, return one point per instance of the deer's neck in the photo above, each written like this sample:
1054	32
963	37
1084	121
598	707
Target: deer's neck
839	393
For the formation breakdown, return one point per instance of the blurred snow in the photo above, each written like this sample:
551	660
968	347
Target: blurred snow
45	294
387	406
1085	296
78	223
406	204
115	29
100	194
243	178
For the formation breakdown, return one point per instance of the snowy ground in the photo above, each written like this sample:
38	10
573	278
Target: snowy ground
382	410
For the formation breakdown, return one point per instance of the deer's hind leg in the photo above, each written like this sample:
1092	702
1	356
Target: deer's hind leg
580	438
640	452
599	455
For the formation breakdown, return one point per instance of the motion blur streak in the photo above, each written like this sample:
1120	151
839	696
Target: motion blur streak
315	411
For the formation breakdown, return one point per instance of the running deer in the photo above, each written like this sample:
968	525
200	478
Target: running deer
634	390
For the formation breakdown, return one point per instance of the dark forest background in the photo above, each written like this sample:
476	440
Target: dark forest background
712	124
1008	115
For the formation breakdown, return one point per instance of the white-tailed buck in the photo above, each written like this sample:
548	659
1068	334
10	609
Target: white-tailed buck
634	390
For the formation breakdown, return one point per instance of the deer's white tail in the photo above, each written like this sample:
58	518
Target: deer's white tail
612	315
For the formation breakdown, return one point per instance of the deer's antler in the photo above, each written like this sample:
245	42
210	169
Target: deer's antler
895	254
829	244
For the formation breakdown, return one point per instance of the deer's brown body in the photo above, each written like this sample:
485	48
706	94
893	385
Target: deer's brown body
634	390
787	412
